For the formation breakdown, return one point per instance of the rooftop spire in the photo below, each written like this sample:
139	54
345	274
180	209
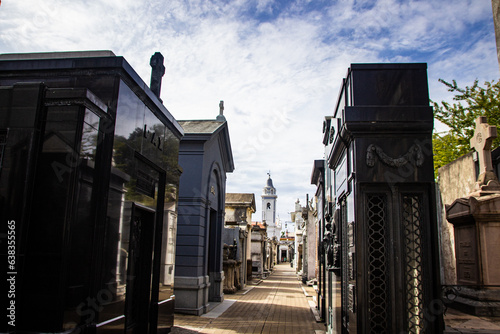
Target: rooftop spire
269	183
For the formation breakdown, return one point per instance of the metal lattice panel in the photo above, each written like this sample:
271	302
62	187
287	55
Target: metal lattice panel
412	217
377	264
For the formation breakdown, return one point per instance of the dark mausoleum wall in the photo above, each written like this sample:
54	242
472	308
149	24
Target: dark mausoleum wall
88	167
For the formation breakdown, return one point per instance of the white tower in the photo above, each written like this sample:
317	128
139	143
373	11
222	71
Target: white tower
269	202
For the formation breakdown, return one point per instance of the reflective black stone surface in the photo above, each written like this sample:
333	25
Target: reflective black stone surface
89	174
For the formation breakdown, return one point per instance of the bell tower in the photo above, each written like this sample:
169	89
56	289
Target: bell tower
269	202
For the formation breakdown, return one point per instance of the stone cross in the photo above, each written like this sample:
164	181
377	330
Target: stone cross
481	142
157	72
221	108
220	117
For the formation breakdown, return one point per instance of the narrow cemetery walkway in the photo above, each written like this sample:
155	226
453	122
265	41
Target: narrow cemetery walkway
276	305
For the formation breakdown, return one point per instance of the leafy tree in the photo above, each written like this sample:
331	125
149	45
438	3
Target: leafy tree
446	149
460	117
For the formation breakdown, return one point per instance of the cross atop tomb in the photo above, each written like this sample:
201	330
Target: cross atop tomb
221	108
157	72
481	142
220	117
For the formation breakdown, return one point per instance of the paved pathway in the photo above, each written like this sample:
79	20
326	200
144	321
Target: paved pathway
277	305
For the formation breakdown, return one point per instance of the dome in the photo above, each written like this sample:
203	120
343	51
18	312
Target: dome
269	182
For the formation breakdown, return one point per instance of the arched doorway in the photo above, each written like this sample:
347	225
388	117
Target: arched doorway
215	223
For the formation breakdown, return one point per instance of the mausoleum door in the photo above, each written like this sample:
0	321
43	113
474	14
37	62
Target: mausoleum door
211	241
214	238
139	270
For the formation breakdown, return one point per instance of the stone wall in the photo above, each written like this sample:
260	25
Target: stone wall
456	179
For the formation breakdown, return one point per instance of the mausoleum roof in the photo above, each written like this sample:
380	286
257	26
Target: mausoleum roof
240	198
202	131
260	225
200	126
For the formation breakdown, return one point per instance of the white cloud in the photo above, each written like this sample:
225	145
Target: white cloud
279	78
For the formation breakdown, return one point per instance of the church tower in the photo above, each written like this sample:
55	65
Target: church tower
269	202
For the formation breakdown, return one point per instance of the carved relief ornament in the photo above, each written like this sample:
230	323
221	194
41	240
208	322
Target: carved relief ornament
414	154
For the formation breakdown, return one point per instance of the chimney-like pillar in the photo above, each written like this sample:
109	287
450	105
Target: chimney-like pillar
157	72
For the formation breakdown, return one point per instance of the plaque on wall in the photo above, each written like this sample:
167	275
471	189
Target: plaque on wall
145	184
467	259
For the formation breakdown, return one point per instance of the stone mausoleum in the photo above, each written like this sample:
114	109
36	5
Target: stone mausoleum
475	220
237	260
206	157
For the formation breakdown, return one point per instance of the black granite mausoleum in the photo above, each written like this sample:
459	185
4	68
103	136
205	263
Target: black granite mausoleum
89	176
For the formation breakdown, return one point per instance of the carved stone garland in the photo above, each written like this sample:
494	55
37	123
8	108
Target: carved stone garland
414	154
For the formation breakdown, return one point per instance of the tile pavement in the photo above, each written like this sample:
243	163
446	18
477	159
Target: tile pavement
276	305
458	322
282	304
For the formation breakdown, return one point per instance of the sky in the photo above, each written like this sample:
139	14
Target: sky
277	65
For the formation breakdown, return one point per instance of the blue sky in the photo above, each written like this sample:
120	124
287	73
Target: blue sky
276	64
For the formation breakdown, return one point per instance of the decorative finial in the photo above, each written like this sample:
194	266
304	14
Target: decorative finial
221	117
269	173
157	72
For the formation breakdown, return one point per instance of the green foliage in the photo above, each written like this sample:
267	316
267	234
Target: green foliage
446	149
460	117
